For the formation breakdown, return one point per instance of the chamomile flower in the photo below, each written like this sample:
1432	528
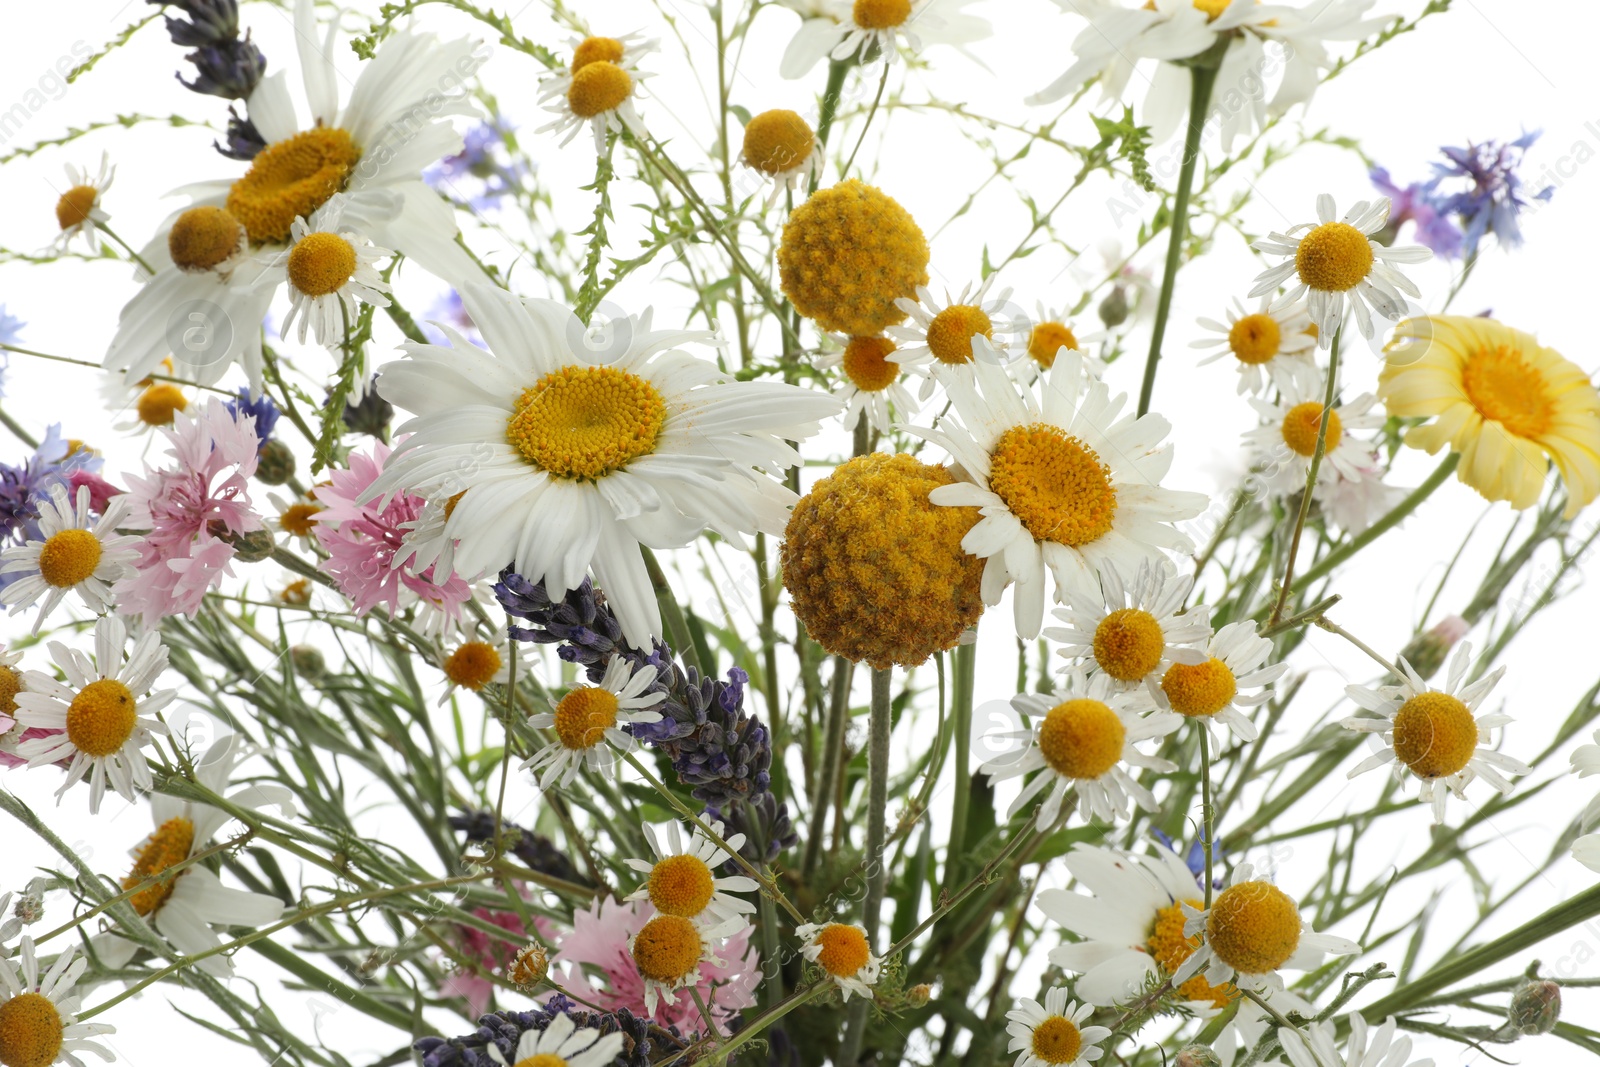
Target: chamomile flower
844	953
563	1044
1284	445
1276	335
1318	1046
851	29
870	381
598	89
1052	1034
1137	629
329	268
1214	691
1252	929
426	544
1061	482
102	718
1434	735
189	906
591	717
78	554
682	879
479	662
1048	336
296	519
947	341
1086	732
1335	260
78	210
37	1013
781	147
670	949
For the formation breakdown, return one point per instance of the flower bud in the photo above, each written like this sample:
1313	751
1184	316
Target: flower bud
371	414
529	967
1197	1056
252	547
1114	308
308	662
276	464
1535	1007
918	995
1426	652
29	908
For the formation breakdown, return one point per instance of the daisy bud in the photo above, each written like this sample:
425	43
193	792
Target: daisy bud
29	908
308	662
1426	652
1197	1056
529	967
251	547
918	995
276	463
1114	308
1535	1007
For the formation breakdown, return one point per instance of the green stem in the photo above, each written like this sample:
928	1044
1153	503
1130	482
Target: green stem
877	827
682	641
961	727
126	247
1385	524
832	756
1203	78
22	435
1311	479
1208	810
837	69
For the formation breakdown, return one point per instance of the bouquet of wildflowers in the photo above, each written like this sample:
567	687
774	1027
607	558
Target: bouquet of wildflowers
579	565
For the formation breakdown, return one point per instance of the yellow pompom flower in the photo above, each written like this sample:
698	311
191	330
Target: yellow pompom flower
1502	400
847	255
875	570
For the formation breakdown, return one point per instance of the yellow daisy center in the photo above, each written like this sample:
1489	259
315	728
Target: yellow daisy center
584	715
1128	644
203	237
160	403
473	665
1254	339
668	949
951	332
297	593
543	1059
1057	1040
101	718
530	966
1053	483
291	179
596	50
75	204
1081	738
598	87
1199	690
1435	735
867	364
1169	947
167	847
298	519
30	1031
10	686
681	885
881	14
1506	389
844	950
586	422
69	557
777	140
1334	257
1048	339
1301	424
320	263
1212	8
1254	927
450	505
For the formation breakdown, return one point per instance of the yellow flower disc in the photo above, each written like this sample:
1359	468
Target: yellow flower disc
681	885
101	718
75	204
1199	690
584	715
1506	389
473	665
10	686
777	140
880	14
1435	735
31	1031
1081	738
168	846
596	50
1253	927
542	1059
1053	483
598	87
290	179
875	569
1169	947
668	949
160	404
69	557
844	950
1128	644
1212	8
1047	340
203	237
1302	423
951	332
867	364
847	254
1334	257
1057	1040
1255	339
320	263
298	519
586	422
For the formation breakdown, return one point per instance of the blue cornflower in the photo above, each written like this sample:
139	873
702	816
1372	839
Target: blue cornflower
449	311
1494	195
10	334
1413	204
483	171
1195	857
265	412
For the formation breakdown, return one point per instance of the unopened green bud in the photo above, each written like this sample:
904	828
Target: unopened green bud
1535	1007
276	463
1114	308
1197	1056
1427	651
308	662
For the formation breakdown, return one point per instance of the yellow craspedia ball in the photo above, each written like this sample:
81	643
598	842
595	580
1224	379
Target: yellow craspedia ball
847	255
875	569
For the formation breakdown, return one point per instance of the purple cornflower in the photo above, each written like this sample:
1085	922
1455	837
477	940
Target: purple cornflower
483	172
264	410
226	64
10	334
449	311
1494	195
1413	204
1195	857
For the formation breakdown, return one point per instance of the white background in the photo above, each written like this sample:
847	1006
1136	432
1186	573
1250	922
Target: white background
1488	69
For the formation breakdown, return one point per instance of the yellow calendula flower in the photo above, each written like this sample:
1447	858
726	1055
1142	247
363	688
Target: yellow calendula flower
1502	400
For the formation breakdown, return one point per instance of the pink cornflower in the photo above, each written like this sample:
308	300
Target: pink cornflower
489	952
362	539
100	490
188	510
600	939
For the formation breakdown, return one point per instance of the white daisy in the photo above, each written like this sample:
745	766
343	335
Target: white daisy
870	381
37	1013
78	209
589	717
1586	850
572	457
480	662
296	519
1434	734
1062	483
598	89
780	146
152	408
78	555
1086	731
850	29
1335	259
187	906
844	953
1251	930
669	951
1052	1034
562	1042
328	266
425	543
103	717
203	304
1276	335
1136	630
1214	691
682	880
947	342
1318	1046
1048	335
